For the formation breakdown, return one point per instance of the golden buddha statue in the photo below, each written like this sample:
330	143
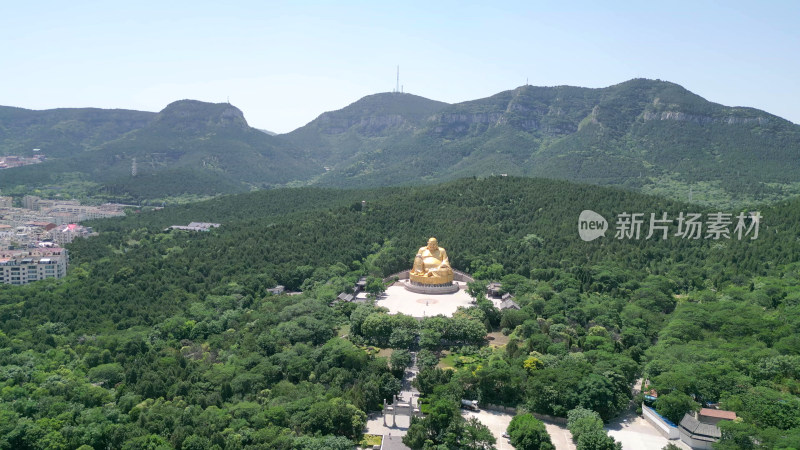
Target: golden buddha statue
431	265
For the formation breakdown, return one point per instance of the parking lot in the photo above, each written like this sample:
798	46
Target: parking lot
635	433
498	423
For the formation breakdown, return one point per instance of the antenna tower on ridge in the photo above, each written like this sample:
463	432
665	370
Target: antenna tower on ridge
397	86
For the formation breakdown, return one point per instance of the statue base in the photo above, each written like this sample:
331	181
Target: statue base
432	279
432	289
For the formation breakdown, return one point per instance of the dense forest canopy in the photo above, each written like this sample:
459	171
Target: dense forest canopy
169	339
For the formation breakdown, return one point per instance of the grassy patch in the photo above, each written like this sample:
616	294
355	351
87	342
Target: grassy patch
497	339
425	405
370	440
448	361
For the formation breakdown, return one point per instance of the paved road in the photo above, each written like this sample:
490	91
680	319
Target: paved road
559	436
375	421
631	430
498	424
636	433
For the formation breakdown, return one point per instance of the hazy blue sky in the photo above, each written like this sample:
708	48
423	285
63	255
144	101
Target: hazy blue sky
284	63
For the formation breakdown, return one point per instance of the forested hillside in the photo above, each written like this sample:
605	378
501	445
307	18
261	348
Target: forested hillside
168	339
190	147
364	126
649	136
646	135
64	132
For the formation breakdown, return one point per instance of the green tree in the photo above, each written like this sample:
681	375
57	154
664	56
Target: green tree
417	435
195	442
358	316
587	430
402	338
581	420
427	379
374	287
335	416
674	405
399	360
147	442
426	359
529	433
597	440
476	289
377	329
470	433
608	394
430	339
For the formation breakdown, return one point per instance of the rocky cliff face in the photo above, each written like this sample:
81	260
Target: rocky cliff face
704	120
521	109
561	111
452	124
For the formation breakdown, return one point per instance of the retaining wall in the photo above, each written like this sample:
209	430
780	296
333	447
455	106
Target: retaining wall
669	431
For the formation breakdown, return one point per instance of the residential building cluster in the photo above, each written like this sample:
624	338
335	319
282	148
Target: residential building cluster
9	161
33	264
48	220
67	211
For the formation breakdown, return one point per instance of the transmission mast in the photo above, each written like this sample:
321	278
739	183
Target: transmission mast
397	86
133	167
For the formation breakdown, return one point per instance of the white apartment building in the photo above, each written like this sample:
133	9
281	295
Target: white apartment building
65	234
25	266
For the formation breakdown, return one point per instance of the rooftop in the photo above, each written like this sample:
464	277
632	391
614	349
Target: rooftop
699	430
35	252
718	413
508	304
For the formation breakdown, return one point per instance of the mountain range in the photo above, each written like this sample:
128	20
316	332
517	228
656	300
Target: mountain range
647	135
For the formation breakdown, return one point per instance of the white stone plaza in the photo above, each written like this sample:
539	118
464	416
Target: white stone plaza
399	300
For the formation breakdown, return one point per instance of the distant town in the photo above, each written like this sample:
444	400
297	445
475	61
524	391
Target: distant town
11	161
51	221
31	237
